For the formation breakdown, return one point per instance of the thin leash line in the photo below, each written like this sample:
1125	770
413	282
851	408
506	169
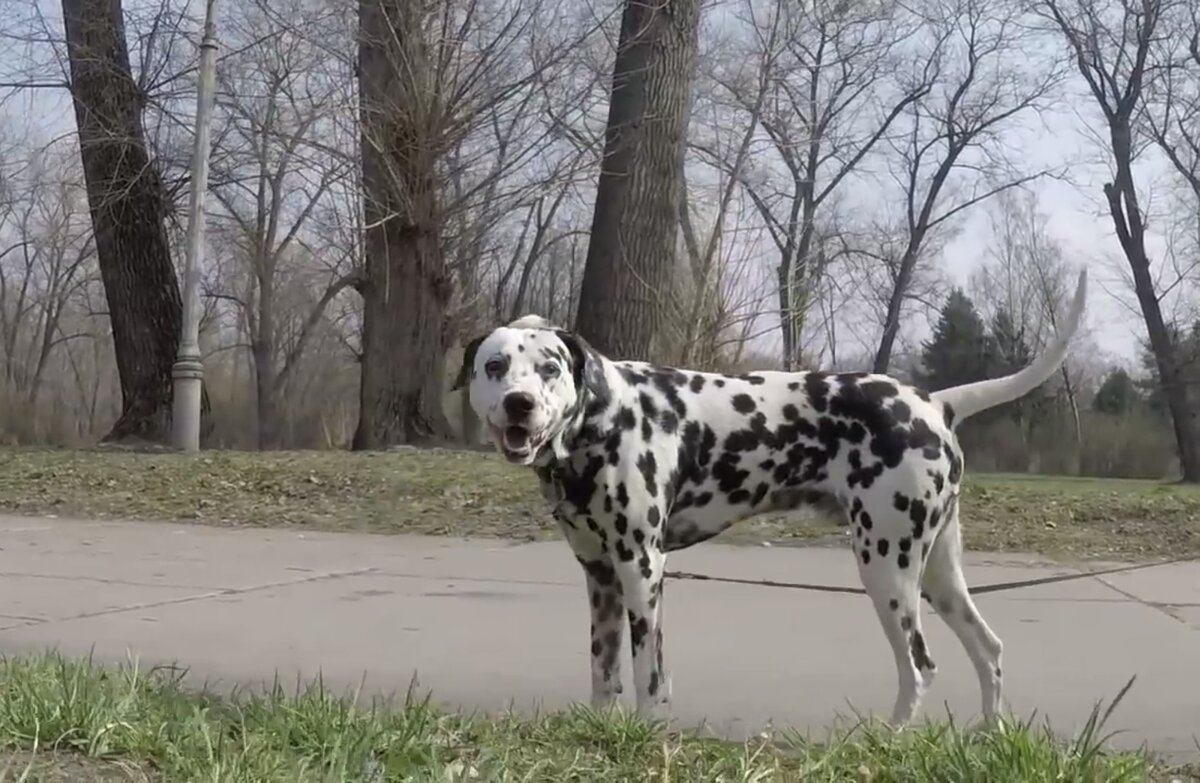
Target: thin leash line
992	588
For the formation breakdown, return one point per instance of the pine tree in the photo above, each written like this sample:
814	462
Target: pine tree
1010	353
1117	395
1187	346
960	350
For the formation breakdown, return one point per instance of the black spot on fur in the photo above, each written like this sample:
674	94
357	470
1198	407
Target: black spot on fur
817	388
917	513
882	547
900	501
638	628
600	572
648	467
920	655
955	463
744	403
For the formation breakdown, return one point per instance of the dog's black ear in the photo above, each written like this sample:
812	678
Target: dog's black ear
579	350
586	367
468	361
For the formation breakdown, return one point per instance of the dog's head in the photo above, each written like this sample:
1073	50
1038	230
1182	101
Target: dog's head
528	382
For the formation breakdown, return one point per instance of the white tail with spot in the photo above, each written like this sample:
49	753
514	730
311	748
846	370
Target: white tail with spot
972	398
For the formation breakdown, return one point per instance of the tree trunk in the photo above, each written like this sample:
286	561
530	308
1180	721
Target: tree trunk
406	288
891	320
262	346
128	205
1121	195
631	253
266	397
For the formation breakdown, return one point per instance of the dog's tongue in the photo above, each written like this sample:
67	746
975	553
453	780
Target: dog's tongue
516	437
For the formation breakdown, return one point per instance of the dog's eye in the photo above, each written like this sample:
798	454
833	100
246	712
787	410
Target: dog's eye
495	367
549	370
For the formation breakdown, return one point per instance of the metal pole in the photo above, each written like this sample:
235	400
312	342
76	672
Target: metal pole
188	371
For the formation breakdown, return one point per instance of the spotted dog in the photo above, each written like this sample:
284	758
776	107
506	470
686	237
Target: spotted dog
638	461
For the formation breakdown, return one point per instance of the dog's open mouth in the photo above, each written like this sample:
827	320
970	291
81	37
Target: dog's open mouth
516	442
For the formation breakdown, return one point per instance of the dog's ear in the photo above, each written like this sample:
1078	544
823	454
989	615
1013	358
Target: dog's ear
586	366
468	362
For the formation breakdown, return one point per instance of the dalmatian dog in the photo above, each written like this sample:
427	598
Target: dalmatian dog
638	461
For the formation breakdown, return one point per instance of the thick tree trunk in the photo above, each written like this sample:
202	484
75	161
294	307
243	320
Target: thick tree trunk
1121	195
406	288
631	254
128	207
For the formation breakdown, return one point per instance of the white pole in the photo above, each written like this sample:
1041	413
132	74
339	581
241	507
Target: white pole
188	371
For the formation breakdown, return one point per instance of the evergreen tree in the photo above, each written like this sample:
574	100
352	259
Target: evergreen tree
1187	344
1010	353
1117	395
960	350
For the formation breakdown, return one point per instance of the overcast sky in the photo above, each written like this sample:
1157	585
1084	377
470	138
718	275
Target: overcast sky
1075	208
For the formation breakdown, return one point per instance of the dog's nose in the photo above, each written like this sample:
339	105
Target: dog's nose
518	405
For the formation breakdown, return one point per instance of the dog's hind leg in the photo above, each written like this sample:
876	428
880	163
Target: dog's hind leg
946	588
890	572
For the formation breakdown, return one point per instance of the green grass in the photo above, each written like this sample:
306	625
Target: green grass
446	492
97	723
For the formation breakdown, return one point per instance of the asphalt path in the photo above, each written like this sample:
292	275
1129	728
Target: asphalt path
489	625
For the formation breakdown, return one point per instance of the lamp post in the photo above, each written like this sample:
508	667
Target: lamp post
188	371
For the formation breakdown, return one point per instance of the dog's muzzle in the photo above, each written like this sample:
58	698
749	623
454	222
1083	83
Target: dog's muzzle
516	439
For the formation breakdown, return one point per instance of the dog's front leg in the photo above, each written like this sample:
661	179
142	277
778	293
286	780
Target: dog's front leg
639	568
608	625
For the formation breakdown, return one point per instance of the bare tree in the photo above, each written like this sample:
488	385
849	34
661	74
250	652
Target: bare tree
627	279
949	157
1173	98
46	261
128	206
1112	43
428	77
1026	276
826	97
276	163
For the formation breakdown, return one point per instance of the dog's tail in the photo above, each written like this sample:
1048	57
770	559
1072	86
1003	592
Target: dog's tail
964	401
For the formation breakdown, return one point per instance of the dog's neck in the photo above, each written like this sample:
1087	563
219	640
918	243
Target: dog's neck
592	403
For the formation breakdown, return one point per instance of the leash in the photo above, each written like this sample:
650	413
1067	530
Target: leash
997	587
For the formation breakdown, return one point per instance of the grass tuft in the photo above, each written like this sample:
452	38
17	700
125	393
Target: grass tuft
122	723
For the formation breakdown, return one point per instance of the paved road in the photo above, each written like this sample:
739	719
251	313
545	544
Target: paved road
488	624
